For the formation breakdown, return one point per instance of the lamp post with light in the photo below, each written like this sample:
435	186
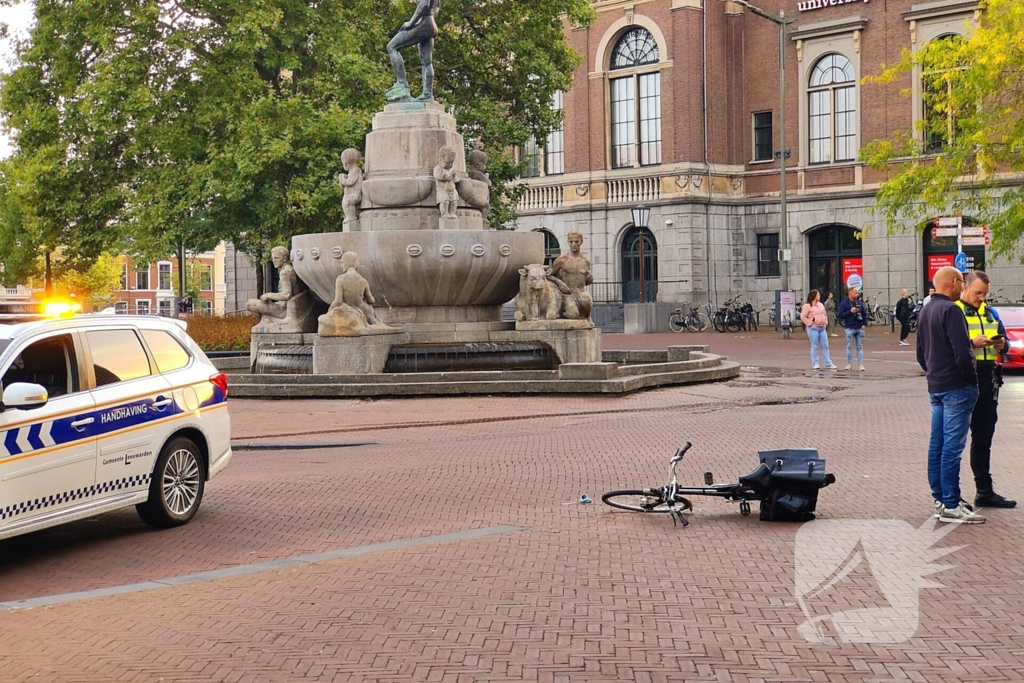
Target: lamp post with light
781	21
641	217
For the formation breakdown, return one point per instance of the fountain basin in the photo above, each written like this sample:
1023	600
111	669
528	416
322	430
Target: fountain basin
424	276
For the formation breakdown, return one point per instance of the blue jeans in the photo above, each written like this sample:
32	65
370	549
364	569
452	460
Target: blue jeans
951	418
853	336
818	337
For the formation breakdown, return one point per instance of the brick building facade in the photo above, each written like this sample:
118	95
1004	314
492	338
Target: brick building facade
677	108
150	288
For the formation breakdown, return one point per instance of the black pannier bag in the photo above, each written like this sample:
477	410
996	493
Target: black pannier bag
790	487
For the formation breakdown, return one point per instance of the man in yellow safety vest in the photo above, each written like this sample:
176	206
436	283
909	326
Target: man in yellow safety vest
988	337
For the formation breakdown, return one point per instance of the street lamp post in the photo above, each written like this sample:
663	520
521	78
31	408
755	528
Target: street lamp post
641	217
781	21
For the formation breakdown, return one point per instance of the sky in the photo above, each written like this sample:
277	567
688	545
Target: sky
19	19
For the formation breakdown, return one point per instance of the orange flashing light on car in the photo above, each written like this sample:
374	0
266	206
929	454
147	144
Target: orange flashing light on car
61	309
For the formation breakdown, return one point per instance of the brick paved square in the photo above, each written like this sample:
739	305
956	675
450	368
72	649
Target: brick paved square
577	593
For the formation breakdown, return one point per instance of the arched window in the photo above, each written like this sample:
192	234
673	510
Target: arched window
639	266
940	62
552	249
832	109
636	100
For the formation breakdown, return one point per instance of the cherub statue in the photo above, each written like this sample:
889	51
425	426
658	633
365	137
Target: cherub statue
575	270
445	174
477	162
352	182
287	309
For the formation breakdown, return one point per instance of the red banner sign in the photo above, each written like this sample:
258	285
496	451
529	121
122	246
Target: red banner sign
936	261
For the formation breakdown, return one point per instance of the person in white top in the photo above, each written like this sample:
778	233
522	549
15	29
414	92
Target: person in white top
931	290
815	321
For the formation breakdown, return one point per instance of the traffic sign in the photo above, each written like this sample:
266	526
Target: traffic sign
960	261
948	221
975	231
976	241
943	232
854	281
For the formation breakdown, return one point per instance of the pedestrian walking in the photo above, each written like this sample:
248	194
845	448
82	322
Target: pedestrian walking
854	317
988	341
904	307
946	355
830	311
815	320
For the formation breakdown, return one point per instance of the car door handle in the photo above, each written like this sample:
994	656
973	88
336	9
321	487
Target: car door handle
81	424
160	403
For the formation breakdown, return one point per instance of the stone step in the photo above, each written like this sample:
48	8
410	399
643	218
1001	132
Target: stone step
283	386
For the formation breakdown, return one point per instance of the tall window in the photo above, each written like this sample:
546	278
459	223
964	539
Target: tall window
554	153
142	276
204	273
833	110
530	153
940	121
768	254
636	101
163	276
763	136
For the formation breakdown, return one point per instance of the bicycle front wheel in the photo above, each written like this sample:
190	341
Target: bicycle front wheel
644	501
693	323
676	323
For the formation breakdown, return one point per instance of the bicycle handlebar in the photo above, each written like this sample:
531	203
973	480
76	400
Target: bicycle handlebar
681	452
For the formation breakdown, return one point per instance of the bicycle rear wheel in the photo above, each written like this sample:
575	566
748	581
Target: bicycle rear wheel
676	322
734	323
644	501
692	323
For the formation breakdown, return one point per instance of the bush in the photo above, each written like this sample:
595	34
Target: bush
228	333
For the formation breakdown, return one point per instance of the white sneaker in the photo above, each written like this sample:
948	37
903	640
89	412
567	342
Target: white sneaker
960	515
938	508
816	367
833	367
903	343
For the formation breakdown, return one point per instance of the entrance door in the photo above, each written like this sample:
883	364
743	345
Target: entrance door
637	240
835	252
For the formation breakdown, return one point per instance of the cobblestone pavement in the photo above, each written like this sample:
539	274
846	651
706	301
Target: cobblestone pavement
551	590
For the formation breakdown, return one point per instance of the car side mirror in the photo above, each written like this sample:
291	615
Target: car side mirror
25	395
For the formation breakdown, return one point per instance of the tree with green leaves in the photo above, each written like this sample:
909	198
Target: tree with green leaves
154	123
968	154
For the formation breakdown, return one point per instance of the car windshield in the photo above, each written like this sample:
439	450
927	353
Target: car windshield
1012	316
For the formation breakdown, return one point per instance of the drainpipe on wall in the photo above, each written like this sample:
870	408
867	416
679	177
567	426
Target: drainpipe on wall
707	160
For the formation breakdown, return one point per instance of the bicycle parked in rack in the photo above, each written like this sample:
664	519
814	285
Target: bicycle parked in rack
876	312
693	320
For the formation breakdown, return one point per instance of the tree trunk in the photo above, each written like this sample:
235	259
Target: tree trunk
48	277
259	280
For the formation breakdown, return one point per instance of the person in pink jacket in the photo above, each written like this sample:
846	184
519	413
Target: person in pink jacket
815	321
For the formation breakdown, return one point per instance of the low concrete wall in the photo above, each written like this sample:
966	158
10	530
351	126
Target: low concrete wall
651	317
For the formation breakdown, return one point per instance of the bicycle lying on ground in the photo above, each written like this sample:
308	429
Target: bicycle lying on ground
694	320
786	482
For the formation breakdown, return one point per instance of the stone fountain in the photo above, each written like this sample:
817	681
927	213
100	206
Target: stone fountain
416	279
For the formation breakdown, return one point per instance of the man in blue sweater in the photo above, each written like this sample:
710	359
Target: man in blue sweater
946	355
853	315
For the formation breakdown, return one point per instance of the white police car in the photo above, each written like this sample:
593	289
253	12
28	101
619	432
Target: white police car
100	412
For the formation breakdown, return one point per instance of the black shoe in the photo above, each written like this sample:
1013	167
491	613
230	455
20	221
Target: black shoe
991	499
